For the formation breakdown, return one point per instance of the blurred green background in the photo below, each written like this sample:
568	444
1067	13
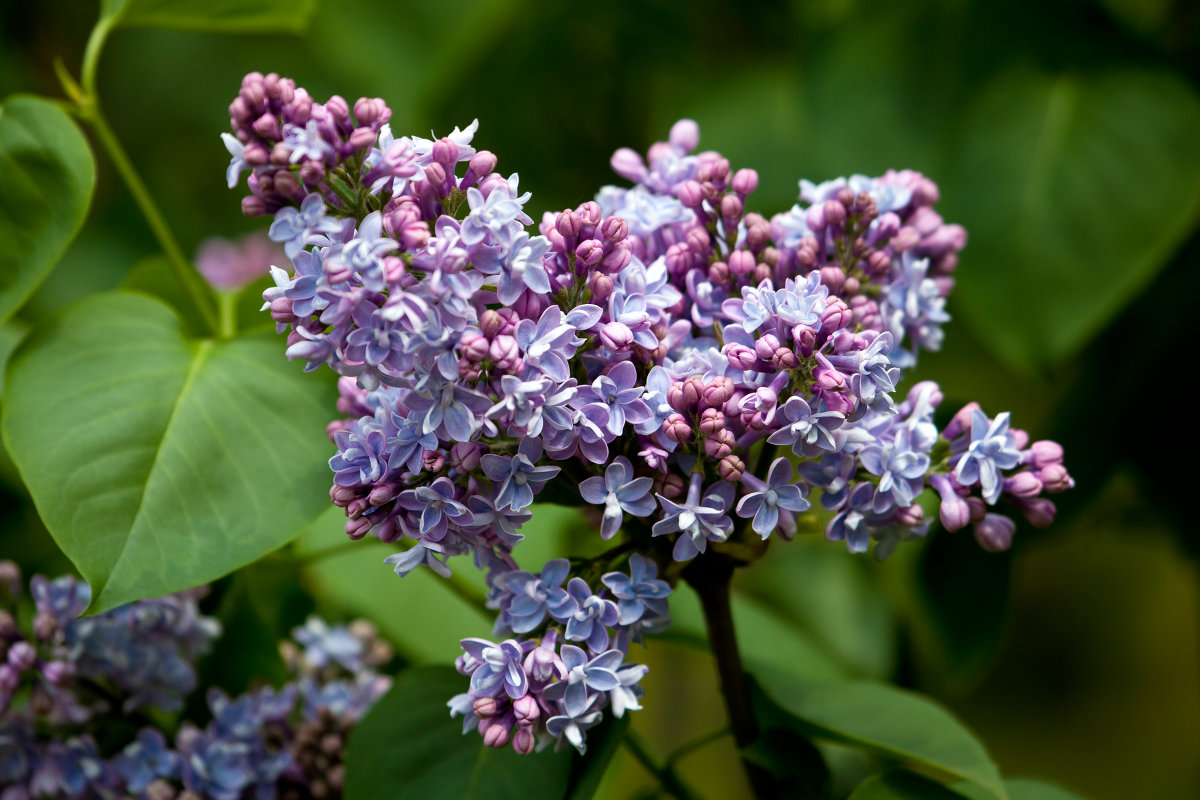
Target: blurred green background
1065	136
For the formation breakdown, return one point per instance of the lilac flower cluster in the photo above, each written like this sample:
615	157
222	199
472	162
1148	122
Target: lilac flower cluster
67	681
702	374
554	686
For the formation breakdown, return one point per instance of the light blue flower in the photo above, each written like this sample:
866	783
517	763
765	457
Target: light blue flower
618	491
992	448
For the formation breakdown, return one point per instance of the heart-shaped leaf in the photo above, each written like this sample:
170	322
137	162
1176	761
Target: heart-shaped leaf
46	179
1092	183
901	726
408	746
160	462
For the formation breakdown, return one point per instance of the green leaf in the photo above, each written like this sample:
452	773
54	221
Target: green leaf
901	785
899	725
216	16
603	742
160	462
46	180
408	746
1028	789
1092	183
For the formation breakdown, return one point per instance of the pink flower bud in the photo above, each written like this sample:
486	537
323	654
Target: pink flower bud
568	224
741	263
806	340
433	460
698	240
526	709
523	740
482	163
711	421
961	423
504	351
614	229
497	734
22	656
371	110
766	345
954	512
383	493
690	194
685	134
616	336
717	392
978	508
670	485
361	138
600	285
616	260
693	391
879	263
59	673
485	707
731	206
910	517
784	358
745	181
1055	479
590	252
1043	453
677	429
358	527
718	273
1023	484
731	468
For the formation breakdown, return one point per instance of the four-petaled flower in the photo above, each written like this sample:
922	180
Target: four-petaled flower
618	491
765	502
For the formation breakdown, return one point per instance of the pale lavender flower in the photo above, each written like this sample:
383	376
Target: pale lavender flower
992	449
616	391
697	521
527	598
499	668
597	674
518	478
588	615
777	493
639	591
807	432
618	491
437	505
295	228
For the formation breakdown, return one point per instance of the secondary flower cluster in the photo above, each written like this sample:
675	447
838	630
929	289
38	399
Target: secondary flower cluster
74	693
701	373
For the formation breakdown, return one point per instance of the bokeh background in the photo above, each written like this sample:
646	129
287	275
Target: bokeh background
1065	135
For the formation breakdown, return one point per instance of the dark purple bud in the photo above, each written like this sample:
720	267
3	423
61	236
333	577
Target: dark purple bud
731	468
358	528
22	656
433	460
614	229
670	485
10	578
523	740
994	532
59	673
45	626
910	517
745	181
677	429
978	508
10	679
590	252
1037	510
741	263
464	457
1023	484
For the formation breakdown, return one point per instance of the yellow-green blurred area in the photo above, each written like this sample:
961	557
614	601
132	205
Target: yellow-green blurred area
1065	136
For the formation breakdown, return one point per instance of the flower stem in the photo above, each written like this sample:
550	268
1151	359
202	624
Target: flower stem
711	576
187	276
670	781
